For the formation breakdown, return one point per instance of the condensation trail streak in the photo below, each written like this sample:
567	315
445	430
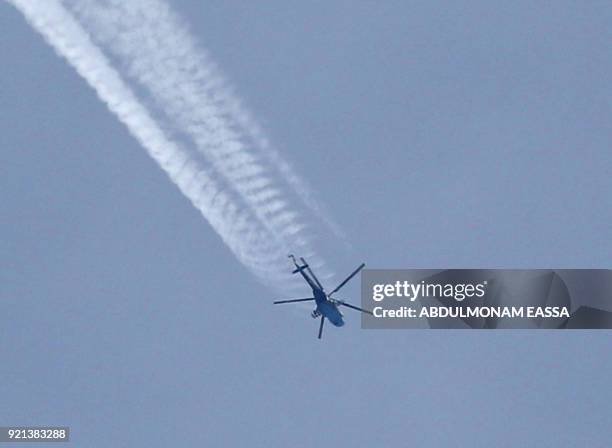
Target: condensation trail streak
249	225
159	53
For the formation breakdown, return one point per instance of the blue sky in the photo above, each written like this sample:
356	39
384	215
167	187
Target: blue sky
446	135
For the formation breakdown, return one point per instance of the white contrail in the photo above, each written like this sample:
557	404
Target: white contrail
247	221
161	56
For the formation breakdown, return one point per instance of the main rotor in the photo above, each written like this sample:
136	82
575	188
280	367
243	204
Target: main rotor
326	305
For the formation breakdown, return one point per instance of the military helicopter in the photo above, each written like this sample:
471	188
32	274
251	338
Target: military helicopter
327	307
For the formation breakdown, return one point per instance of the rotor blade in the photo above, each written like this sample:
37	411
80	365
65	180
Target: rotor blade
311	273
354	307
347	279
293	300
321	326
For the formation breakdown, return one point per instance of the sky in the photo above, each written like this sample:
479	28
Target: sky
437	135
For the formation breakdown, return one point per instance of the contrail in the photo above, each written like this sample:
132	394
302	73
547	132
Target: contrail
159	54
229	185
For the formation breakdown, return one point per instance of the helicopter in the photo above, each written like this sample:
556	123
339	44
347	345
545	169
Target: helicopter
326	306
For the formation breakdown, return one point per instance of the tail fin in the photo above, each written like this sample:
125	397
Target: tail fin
298	268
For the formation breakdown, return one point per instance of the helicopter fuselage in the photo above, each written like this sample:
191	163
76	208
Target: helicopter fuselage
326	307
